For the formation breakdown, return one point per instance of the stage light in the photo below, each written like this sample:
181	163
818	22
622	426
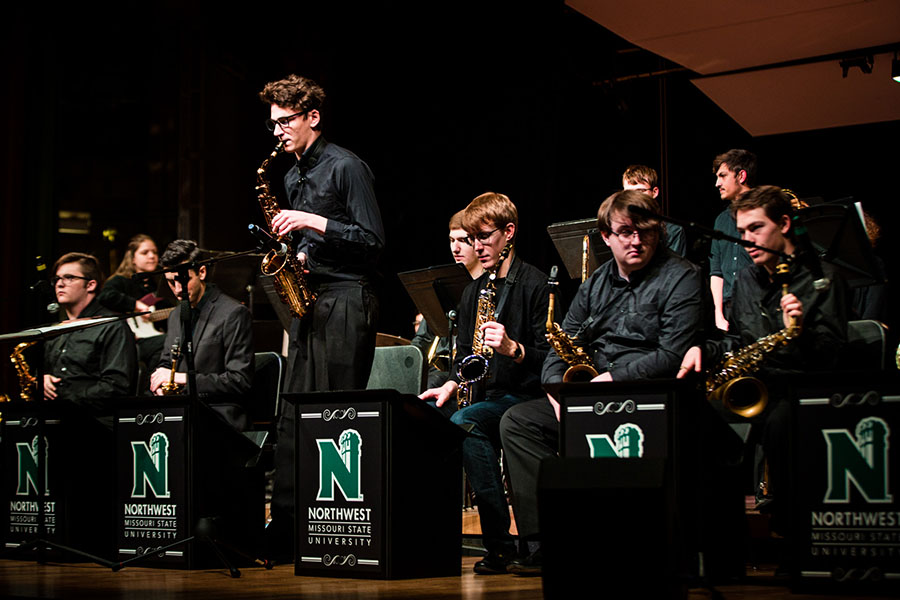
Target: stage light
864	63
895	68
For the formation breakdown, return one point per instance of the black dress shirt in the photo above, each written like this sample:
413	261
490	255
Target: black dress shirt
522	299
637	329
756	312
95	363
334	183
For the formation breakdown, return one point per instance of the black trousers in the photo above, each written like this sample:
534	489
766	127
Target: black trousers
332	349
529	432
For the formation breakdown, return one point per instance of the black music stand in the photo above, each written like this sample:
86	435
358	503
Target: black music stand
569	239
838	236
42	334
203	530
436	292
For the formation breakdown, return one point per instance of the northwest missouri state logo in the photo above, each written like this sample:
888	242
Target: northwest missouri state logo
28	468
860	460
339	466
629	443
151	466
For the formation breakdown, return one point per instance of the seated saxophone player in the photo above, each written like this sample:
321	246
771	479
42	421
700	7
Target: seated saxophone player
337	229
91	364
635	316
501	319
464	253
223	340
761	307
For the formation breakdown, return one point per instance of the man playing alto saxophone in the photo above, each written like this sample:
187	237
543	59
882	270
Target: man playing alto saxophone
514	333
759	308
636	315
337	229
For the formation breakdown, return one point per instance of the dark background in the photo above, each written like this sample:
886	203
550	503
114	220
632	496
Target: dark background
151	123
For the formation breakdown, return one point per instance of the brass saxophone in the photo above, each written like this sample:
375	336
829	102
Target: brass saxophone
286	270
171	388
475	366
581	367
731	382
27	381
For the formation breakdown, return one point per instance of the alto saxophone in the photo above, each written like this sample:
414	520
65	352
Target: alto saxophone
581	367
731	381
171	388
27	381
286	270
475	366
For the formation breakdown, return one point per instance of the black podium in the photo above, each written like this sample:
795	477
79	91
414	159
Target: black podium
377	486
171	472
643	498
846	510
76	482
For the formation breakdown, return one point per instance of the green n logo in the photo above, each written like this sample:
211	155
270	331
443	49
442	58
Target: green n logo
151	466
28	468
863	460
629	443
340	466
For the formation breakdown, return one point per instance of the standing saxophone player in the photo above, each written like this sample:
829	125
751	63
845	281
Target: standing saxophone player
515	335
338	233
763	216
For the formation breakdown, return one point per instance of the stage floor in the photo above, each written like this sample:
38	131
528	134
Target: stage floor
19	579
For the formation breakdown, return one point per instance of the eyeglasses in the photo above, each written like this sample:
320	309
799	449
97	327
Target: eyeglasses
283	121
626	233
66	279
483	236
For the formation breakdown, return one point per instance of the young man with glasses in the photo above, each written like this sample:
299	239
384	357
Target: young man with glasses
338	234
90	364
635	316
644	179
514	332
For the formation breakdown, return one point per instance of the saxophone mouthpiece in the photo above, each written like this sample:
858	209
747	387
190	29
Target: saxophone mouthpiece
279	147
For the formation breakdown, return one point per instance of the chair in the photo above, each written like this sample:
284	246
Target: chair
397	368
866	346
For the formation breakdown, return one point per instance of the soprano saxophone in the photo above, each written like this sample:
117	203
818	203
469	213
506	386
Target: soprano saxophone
731	381
581	367
286	270
475	366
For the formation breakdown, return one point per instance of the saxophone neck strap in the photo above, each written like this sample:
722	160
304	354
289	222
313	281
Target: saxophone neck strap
309	158
510	280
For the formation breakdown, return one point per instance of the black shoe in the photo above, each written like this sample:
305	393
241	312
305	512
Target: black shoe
530	566
494	563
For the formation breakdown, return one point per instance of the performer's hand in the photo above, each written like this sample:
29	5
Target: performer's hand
692	361
605	376
721	321
494	335
294	220
50	387
791	307
157	378
555	404
441	394
141	307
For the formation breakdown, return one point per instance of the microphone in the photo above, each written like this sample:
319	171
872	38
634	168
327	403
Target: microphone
807	254
266	241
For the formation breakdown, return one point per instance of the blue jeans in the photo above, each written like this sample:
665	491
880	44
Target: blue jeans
481	459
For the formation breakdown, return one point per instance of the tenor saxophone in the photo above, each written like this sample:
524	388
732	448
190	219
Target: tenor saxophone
732	383
286	270
581	367
475	366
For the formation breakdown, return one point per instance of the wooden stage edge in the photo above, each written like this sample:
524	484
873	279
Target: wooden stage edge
21	579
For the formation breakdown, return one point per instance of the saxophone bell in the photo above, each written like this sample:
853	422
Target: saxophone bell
744	396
